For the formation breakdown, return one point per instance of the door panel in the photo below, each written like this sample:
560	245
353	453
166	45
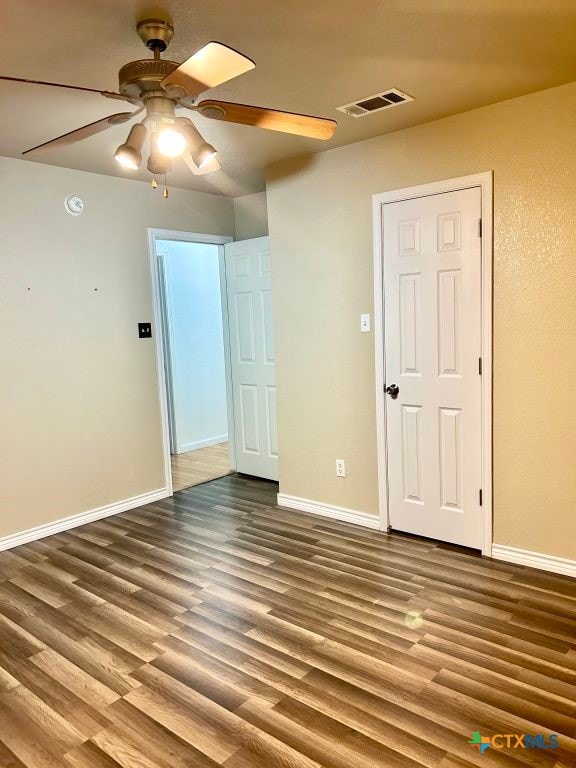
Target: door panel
249	418
432	318
410	303
449	320
272	432
268	327
249	292
412	452
244	303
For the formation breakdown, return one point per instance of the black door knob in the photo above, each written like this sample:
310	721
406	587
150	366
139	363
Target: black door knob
393	390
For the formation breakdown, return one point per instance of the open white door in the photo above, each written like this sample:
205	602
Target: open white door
249	292
432	329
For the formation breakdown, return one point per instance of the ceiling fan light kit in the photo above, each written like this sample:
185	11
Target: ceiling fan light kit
129	154
160	87
170	142
199	149
158	164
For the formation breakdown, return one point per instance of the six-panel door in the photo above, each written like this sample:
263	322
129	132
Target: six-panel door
249	293
432	319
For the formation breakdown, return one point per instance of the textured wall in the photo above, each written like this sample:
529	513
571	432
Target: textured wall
320	220
251	216
80	419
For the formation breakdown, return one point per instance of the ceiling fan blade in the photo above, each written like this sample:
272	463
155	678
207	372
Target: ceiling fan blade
212	65
274	120
108	94
81	133
209	167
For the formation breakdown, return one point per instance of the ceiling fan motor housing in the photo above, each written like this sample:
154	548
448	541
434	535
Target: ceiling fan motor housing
139	77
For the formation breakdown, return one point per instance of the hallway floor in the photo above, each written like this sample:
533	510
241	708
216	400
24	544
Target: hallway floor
196	467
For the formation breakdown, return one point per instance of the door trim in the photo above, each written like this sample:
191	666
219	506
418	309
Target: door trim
160	340
484	182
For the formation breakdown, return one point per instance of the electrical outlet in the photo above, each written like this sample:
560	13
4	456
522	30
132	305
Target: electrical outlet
340	468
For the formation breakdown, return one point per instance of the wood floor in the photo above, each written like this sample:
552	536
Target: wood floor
216	629
199	466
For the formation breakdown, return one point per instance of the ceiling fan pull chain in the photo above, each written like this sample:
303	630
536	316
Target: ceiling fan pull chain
154	182
165	193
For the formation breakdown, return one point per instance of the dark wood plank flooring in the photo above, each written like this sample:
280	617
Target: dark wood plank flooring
217	629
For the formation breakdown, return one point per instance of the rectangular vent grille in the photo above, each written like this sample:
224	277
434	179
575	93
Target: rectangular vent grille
375	103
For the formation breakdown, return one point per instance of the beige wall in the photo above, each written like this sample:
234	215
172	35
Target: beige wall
251	216
80	423
321	237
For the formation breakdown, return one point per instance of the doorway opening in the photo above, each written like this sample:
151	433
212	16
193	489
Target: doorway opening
212	304
192	329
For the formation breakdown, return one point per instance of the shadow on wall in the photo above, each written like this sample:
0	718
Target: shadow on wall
299	165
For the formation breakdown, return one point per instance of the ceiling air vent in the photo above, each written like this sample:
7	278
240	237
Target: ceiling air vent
375	103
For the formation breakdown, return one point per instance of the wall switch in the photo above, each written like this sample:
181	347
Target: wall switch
364	323
144	330
340	468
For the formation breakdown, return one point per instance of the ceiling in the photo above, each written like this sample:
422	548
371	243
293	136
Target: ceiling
451	55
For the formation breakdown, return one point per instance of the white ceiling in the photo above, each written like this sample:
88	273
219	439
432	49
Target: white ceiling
311	56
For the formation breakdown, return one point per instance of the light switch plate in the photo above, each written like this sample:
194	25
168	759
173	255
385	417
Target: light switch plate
364	323
144	331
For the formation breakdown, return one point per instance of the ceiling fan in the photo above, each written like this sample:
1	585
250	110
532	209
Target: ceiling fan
159	87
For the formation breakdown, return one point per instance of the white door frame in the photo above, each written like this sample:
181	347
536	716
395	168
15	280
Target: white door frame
161	342
484	182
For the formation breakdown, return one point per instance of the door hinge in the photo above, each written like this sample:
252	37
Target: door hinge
480	496
479	227
480	366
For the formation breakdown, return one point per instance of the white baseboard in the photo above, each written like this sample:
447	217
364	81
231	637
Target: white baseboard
186	447
534	559
328	510
65	523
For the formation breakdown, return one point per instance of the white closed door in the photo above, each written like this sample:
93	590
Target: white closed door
249	293
432	317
